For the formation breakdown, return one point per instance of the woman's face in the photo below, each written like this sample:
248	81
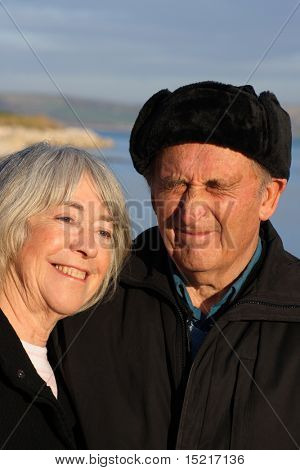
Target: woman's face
67	253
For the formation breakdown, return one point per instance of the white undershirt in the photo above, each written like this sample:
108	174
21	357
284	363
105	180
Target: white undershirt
38	357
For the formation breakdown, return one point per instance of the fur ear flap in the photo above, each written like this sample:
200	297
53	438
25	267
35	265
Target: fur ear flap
142	123
248	89
278	153
266	96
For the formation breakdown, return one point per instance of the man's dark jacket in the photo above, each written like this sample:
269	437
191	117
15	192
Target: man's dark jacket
129	374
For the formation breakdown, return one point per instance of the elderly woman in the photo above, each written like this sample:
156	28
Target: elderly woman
64	235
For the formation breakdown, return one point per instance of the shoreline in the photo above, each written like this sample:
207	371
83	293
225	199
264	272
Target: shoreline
14	138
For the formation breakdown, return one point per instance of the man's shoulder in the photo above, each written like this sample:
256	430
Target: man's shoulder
148	242
148	257
279	276
287	275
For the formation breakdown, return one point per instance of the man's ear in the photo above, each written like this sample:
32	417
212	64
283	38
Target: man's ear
270	198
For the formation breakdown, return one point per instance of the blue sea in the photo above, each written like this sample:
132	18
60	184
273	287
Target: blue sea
286	219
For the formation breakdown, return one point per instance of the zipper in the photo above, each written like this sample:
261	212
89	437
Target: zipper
261	302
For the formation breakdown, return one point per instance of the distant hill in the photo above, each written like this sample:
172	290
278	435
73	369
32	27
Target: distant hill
95	114
38	121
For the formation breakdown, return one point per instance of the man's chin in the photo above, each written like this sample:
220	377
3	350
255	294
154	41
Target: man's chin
194	262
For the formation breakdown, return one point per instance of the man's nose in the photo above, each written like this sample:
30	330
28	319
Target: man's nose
192	209
85	243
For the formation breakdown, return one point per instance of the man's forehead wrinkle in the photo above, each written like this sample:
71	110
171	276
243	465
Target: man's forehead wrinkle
228	177
200	163
173	169
179	166
200	173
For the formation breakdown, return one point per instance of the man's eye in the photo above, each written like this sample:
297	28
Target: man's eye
213	185
217	188
172	184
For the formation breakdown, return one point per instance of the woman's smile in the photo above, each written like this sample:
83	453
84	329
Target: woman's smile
71	272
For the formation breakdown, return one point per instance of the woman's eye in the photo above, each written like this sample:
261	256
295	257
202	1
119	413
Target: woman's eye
65	218
105	234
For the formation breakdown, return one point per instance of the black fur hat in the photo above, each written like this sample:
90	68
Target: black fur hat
219	114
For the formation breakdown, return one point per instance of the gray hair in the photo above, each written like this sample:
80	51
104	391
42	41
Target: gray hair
41	176
263	175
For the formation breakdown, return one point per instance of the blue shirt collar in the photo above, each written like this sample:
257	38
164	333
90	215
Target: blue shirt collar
232	292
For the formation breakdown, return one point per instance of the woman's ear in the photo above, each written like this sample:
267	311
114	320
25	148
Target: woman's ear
270	197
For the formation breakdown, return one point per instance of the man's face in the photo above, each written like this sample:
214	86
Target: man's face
208	203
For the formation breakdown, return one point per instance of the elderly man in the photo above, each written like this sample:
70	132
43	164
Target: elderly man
199	346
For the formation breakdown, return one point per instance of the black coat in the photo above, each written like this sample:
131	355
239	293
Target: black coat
131	381
30	415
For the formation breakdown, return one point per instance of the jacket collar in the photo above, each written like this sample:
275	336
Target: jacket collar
277	280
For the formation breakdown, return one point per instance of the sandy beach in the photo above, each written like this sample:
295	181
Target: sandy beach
14	138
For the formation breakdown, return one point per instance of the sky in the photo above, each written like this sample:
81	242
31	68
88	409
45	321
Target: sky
126	50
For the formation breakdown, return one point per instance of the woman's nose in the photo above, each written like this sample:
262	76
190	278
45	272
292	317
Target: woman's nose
85	243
